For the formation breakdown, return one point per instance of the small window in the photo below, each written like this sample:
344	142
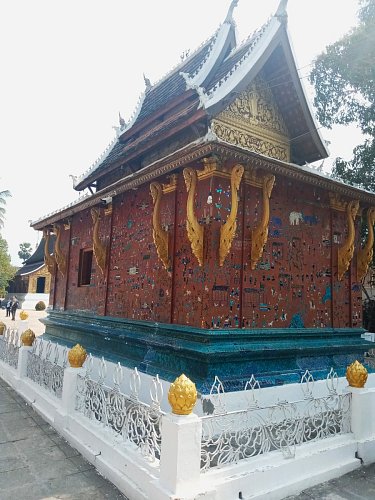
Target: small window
85	265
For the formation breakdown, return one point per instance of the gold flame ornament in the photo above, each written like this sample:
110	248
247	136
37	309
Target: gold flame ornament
356	375
77	356
182	395
2	327
27	338
23	315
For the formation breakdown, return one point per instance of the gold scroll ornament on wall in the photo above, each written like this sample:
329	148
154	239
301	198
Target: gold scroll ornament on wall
259	235
346	251
195	231
99	248
160	235
228	230
49	259
60	256
365	254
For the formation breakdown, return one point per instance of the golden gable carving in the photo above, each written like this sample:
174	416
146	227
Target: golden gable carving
253	121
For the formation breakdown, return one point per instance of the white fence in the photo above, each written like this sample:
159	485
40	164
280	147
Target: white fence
230	436
120	421
9	347
124	415
46	364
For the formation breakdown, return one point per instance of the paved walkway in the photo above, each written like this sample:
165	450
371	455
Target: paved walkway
356	485
31	322
36	463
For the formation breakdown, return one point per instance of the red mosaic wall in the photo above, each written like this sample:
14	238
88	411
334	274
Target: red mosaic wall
139	287
294	284
90	297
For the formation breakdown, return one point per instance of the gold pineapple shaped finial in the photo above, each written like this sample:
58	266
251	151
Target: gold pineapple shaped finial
182	395
28	337
77	356
356	375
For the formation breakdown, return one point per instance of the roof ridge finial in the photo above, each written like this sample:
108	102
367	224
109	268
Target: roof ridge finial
147	82
229	17
122	122
281	12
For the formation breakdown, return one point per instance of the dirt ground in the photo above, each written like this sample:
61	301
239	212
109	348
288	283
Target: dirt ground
31	322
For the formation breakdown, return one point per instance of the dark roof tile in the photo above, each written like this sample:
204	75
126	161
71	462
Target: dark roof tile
173	85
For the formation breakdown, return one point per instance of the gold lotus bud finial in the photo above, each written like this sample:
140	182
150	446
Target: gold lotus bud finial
356	375
182	395
77	356
27	338
2	327
23	315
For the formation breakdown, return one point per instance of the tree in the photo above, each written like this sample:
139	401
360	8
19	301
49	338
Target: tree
25	251
3	195
7	271
344	81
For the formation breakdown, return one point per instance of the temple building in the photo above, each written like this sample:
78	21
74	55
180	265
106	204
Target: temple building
32	282
208	243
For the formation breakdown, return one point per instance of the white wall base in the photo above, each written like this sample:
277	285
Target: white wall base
272	477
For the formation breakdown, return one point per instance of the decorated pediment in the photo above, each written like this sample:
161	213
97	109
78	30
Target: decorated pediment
253	121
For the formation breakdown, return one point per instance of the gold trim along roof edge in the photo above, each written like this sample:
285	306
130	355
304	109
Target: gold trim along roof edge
196	151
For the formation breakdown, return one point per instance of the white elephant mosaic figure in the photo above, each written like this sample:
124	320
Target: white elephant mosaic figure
295	218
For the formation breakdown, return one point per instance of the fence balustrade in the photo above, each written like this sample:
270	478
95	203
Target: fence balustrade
228	437
46	364
9	347
125	415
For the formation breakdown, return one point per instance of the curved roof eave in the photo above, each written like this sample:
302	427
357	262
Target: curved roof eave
225	37
32	270
275	34
245	71
302	94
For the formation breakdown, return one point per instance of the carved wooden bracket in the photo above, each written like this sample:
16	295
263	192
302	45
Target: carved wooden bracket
228	230
195	232
259	235
60	256
346	251
108	209
364	256
99	248
211	165
49	260
160	235
172	186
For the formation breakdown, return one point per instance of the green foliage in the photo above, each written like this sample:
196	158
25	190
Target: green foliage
25	251
40	306
344	81
7	271
3	195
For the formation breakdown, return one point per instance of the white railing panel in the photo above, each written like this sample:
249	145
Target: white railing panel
46	364
228	437
125	415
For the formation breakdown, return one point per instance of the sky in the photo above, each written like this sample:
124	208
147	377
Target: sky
69	67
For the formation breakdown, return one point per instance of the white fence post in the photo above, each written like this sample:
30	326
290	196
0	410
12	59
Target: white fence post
23	356
363	422
69	389
180	454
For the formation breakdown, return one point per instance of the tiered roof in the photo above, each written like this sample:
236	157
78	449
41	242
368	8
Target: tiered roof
36	261
212	76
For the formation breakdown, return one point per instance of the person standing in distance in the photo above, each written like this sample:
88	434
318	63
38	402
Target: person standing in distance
14	307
